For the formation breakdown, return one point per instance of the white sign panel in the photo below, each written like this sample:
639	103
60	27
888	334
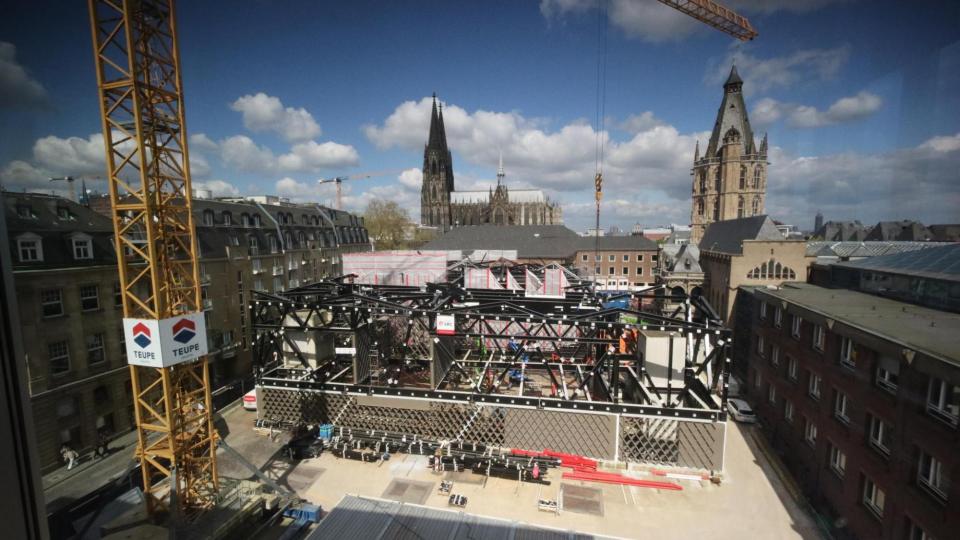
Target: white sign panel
446	325
345	350
165	342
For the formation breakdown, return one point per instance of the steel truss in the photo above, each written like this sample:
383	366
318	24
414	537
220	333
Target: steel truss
573	344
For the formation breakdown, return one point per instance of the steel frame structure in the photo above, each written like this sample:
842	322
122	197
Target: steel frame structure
577	328
141	103
716	15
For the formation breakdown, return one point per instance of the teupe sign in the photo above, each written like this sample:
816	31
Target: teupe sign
165	342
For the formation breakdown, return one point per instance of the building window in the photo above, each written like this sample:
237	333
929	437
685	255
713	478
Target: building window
743	177
840	407
772	395
760	346
818	337
848	353
30	249
596	270
639	258
813	386
888	374
59	356
763	311
792	368
51	302
788	411
755	207
838	461
778	317
757	380
611	270
626	270
597	258
89	298
639	271
626	258
82	248
611	258
915	532
943	400
257	221
254	245
930	475
756	177
117	295
95	349
277	284
881	435
273	243
775	355
208	218
739	207
583	258
101	395
873	497
795	323
258	284
810	432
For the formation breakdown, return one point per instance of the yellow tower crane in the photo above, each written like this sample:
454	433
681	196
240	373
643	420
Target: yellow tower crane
145	139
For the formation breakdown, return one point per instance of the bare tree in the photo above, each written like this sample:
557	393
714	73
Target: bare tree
387	224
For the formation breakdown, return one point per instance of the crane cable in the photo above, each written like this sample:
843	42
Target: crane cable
601	103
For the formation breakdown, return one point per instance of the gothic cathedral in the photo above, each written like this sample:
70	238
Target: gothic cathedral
730	179
443	207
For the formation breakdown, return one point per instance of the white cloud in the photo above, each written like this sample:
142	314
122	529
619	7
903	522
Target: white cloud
312	157
199	167
654	22
846	109
411	178
203	143
73	156
921	182
267	113
762	74
218	188
241	153
17	87
637	123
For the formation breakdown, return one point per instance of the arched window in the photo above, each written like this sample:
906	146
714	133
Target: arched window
739	207
717	180
700	207
756	177
716	209
302	239
743	177
288	240
227	219
274	245
433	167
703	181
208	218
755	208
256	220
772	270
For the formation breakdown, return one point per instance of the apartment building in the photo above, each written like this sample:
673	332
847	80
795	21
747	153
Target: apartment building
67	286
617	262
860	394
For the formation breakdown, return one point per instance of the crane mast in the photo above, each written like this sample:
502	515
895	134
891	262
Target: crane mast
141	101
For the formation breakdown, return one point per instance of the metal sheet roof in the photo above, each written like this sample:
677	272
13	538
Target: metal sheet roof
942	262
373	519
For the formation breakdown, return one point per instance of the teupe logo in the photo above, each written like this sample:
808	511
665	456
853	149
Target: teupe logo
141	335
184	330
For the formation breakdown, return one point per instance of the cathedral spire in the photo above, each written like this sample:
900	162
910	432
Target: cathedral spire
437	139
763	145
500	173
734	78
731	115
696	152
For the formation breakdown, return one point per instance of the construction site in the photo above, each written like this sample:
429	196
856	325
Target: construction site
412	394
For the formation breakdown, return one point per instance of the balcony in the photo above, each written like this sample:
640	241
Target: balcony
207	304
278	270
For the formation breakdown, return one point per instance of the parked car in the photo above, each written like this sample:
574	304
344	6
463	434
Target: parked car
740	411
250	400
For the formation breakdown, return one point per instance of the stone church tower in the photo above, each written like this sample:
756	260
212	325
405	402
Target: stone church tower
437	175
730	179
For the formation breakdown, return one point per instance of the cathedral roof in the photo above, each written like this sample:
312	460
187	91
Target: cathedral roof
529	241
732	115
516	196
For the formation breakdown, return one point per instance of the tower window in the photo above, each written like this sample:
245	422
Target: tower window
743	177
717	180
755	209
740	203
716	209
756	177
700	207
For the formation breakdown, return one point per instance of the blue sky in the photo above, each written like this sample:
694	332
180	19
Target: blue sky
861	100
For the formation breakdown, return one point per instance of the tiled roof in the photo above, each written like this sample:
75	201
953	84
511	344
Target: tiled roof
728	236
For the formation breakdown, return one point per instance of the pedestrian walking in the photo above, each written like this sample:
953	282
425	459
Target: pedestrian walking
69	455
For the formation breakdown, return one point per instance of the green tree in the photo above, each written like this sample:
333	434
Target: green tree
387	224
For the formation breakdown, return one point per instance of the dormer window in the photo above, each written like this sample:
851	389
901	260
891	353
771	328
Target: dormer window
82	247
207	218
30	248
24	211
227	219
64	213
